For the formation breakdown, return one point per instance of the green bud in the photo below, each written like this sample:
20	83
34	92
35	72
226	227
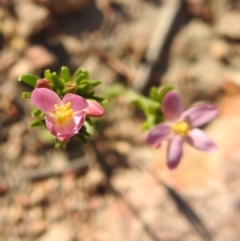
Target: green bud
57	82
36	112
70	87
43	83
26	95
37	123
65	74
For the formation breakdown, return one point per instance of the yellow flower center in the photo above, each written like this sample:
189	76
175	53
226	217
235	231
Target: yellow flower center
63	113
180	128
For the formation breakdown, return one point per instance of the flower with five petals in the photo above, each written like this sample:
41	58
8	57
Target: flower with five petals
182	126
64	118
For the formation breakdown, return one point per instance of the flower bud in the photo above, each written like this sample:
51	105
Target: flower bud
70	87
94	109
43	83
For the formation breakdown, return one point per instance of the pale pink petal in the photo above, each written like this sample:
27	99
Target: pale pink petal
79	120
50	125
65	129
172	106
45	99
78	103
200	114
174	152
63	139
94	109
69	129
200	140
158	134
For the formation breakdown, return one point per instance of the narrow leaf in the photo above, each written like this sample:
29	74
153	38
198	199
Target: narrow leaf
65	74
37	123
29	79
26	95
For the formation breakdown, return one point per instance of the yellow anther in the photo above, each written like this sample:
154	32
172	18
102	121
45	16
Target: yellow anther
180	128
63	113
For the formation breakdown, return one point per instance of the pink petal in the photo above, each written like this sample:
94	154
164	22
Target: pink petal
66	130
200	140
45	99
50	125
78	103
69	129
80	119
174	152
158	134
94	109
63	139
200	114
172	106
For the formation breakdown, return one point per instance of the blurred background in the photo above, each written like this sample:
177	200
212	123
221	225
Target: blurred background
117	188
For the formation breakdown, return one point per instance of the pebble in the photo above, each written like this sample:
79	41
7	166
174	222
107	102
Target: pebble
23	65
40	57
64	7
226	20
32	18
58	232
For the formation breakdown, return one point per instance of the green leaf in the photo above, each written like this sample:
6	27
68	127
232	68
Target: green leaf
164	91
26	95
94	83
36	112
88	119
37	123
81	71
97	98
48	75
57	82
114	91
154	94
29	79
65	74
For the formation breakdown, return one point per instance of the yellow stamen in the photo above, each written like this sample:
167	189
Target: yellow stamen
63	113
180	128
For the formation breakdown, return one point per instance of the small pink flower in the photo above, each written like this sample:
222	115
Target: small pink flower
181	126
64	118
94	109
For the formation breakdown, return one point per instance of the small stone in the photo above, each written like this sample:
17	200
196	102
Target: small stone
65	7
227	27
14	214
219	48
93	178
58	232
30	160
13	148
35	214
19	44
24	65
8	27
40	57
3	189
7	59
32	18
68	182
38	227
54	213
123	147
38	195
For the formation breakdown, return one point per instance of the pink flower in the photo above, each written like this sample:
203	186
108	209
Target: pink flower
94	109
181	126
64	118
